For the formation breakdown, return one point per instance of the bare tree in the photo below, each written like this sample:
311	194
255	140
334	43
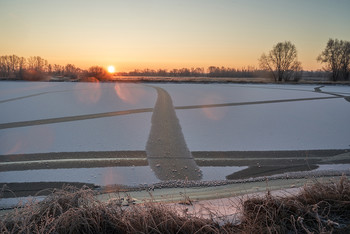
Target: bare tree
70	71
37	63
11	65
345	64
3	66
336	56
14	63
22	63
58	70
282	62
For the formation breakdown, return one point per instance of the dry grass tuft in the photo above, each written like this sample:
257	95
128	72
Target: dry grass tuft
320	208
77	211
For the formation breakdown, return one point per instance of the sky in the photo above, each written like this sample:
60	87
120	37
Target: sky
137	34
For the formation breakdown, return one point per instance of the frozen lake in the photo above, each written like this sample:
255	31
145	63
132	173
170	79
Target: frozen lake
296	125
45	117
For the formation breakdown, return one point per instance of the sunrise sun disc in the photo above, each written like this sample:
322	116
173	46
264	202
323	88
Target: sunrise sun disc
111	69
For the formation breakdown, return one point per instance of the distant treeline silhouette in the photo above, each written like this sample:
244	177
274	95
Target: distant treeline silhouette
212	71
37	68
280	64
34	68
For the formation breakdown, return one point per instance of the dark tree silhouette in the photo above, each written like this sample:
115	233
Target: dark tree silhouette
37	63
99	73
11	66
336	56
282	62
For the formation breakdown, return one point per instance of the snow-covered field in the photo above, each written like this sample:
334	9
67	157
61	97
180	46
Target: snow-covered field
213	117
294	125
298	125
24	101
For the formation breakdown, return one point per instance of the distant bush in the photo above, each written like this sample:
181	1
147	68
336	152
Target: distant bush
32	75
99	73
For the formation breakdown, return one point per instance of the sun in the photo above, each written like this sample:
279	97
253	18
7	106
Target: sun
111	69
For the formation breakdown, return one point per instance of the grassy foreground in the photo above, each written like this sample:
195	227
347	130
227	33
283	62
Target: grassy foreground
319	208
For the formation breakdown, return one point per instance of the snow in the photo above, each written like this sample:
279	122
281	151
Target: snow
10	89
345	90
106	175
297	125
333	167
200	94
70	99
128	132
319	124
219	173
302	125
98	176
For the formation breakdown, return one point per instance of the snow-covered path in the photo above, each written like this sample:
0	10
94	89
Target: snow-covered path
166	149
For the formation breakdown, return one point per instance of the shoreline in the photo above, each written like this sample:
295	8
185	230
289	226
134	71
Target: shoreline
285	180
176	195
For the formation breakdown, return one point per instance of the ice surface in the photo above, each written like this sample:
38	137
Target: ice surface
337	89
200	94
105	175
319	124
54	100
128	132
333	167
98	176
311	124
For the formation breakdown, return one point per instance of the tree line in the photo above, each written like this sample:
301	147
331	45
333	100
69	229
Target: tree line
37	68
212	71
34	68
281	63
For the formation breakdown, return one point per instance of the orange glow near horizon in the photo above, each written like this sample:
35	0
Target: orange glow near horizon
128	67
168	34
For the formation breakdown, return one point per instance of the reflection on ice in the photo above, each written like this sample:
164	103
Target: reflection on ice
129	94
213	113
